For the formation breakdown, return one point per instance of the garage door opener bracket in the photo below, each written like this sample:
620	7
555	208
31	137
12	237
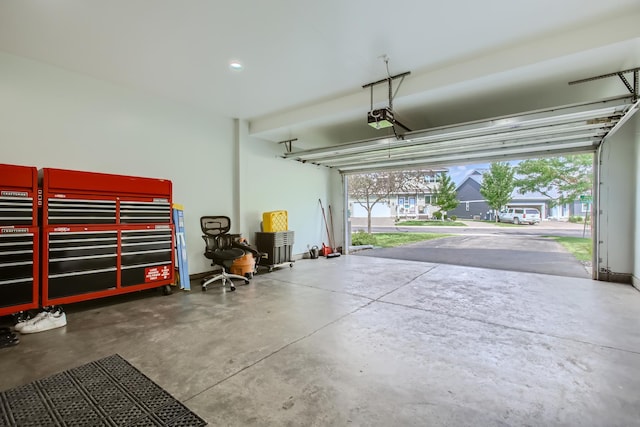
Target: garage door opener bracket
633	89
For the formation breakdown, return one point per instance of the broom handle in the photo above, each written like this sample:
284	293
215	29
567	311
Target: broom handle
325	222
333	237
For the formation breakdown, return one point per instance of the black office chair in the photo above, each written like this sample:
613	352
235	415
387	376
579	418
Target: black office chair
222	249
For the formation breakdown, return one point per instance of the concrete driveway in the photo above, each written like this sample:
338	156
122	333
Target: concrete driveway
534	254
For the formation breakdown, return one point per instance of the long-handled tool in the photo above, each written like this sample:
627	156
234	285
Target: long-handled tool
333	230
333	252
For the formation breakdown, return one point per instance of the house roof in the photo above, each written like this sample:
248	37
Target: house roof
477	176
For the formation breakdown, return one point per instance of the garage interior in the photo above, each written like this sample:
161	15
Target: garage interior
145	89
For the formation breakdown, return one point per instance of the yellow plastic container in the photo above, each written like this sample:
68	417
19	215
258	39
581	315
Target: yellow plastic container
275	221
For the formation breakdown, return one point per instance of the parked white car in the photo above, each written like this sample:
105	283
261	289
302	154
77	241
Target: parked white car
520	216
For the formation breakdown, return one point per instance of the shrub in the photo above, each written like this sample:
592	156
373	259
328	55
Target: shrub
452	217
360	238
576	218
437	215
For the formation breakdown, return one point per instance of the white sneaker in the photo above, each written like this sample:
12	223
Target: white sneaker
18	326
50	320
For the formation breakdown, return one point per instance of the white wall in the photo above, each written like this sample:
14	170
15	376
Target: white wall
53	118
618	191
269	183
50	117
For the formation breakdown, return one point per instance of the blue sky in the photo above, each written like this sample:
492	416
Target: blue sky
459	173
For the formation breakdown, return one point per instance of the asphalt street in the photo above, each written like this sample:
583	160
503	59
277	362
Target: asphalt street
522	248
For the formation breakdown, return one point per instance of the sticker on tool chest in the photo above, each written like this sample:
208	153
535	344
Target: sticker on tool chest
151	274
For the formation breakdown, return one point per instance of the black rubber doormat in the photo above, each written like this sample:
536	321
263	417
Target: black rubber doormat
107	392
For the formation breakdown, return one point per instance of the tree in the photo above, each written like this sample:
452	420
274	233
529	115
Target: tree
497	185
562	179
371	188
445	194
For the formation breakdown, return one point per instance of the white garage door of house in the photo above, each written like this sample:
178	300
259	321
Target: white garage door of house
562	130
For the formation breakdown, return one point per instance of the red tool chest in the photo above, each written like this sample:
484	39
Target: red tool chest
19	260
104	235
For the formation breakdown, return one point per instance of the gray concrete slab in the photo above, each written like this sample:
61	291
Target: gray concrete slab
575	309
371	279
346	341
388	366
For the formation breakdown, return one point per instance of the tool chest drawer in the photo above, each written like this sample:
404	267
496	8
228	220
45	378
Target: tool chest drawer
146	255
18	269
18	195
79	260
157	211
79	209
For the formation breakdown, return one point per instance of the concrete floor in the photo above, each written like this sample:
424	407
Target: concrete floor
369	341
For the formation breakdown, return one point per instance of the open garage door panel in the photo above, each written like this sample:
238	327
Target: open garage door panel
562	130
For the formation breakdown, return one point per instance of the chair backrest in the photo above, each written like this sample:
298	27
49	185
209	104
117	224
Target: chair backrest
216	234
213	226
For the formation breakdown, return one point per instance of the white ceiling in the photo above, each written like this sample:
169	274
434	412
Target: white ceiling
306	61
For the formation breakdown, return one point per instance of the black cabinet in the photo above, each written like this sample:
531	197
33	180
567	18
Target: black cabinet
277	246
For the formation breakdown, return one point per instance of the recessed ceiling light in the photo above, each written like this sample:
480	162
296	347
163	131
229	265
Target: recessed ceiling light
236	65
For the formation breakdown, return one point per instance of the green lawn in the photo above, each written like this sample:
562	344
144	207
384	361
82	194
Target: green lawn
432	223
580	247
390	240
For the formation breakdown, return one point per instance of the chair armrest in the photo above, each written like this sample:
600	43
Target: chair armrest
249	248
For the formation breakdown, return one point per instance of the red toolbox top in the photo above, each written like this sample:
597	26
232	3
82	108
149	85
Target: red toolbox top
61	180
18	178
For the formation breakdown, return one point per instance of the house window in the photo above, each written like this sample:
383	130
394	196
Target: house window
427	199
466	206
585	207
401	201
